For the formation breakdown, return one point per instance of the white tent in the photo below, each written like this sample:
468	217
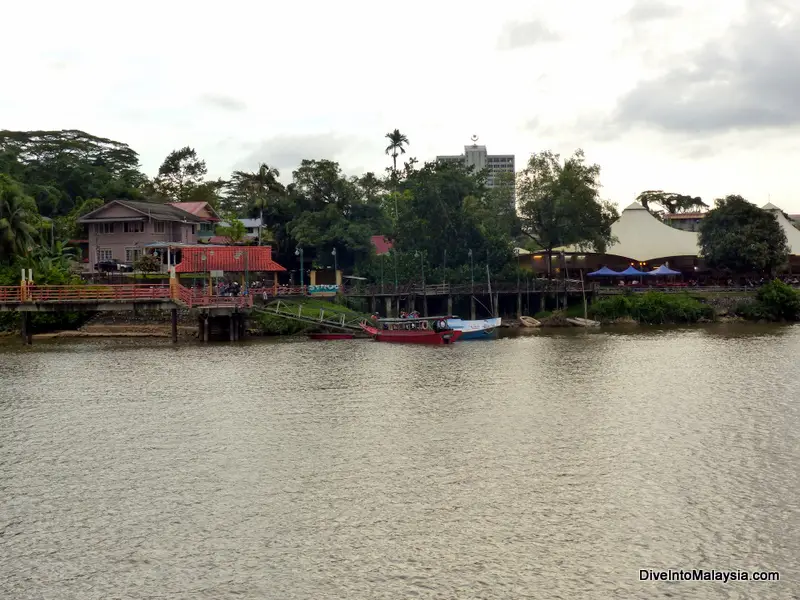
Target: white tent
792	233
642	237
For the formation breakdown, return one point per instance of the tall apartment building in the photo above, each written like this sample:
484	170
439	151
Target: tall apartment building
476	156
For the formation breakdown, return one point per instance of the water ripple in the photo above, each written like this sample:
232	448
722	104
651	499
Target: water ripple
551	466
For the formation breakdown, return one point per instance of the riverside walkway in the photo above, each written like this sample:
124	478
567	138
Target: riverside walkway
29	298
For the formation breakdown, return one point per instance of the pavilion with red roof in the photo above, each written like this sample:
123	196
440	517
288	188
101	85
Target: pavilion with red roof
200	259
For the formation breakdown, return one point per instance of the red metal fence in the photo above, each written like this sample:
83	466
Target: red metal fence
10	294
73	293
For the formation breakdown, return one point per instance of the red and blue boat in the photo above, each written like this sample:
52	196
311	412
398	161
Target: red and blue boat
420	330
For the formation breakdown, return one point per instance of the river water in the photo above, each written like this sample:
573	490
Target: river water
550	466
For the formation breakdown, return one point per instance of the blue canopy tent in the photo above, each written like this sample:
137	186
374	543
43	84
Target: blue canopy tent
603	272
663	270
632	272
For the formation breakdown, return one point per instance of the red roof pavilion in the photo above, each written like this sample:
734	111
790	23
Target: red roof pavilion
227	258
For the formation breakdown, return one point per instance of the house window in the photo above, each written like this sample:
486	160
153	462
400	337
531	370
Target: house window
105	228
159	227
132	254
133	227
104	254
193	230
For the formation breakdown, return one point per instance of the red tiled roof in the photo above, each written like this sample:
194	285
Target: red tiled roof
199	209
218	239
227	258
382	244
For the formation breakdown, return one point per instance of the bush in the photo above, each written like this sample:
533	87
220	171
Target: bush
148	263
779	301
652	308
775	301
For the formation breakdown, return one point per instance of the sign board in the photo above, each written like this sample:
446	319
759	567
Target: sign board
218	273
323	290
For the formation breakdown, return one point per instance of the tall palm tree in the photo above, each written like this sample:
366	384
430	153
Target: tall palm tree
17	220
259	187
397	143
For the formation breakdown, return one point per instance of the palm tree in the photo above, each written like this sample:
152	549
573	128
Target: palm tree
397	141
259	187
17	219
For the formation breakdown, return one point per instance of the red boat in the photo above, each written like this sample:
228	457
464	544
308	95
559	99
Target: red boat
428	330
331	336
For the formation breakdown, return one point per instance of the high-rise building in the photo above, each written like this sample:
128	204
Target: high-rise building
476	156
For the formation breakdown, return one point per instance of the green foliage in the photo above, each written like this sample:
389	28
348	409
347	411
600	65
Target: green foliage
252	192
397	144
147	263
739	238
775	301
560	203
180	174
18	220
234	231
651	308
60	168
68	228
670	202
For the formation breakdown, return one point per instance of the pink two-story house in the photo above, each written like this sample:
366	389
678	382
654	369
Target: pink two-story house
120	229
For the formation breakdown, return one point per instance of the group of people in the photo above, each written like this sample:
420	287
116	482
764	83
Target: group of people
225	288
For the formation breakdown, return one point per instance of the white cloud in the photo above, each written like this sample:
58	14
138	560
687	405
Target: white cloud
245	82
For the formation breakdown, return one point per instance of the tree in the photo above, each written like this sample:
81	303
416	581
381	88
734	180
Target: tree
60	168
234	231
68	228
147	263
18	219
739	238
254	191
397	144
560	204
671	202
179	174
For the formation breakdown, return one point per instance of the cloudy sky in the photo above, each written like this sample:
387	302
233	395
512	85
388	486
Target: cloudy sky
693	96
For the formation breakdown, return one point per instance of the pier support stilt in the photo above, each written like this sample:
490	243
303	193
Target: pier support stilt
232	328
25	328
206	329
174	318
387	301
497	305
373	305
472	307
449	306
519	304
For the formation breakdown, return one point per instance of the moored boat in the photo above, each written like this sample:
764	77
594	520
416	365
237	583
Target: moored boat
482	329
425	330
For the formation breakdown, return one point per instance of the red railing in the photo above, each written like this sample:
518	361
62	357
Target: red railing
221	301
10	294
73	293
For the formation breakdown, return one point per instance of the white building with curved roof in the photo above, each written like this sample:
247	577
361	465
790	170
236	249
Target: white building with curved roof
792	233
642	237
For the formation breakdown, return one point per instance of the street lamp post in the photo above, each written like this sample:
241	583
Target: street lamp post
444	272
299	252
424	292
471	273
